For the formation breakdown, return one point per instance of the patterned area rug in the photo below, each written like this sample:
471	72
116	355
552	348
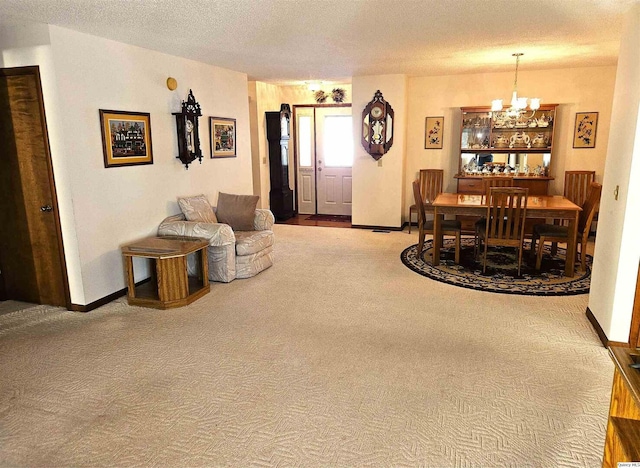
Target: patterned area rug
502	270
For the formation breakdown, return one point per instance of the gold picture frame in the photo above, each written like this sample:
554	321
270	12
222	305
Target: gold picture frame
584	131
126	138
222	134
433	132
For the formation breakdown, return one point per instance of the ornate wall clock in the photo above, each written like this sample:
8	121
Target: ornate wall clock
188	136
377	126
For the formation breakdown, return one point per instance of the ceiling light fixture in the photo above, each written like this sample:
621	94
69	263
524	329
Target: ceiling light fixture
518	104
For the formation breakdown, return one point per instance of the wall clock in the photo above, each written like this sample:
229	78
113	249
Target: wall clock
377	126
187	127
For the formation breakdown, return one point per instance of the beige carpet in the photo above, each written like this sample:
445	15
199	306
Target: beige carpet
339	355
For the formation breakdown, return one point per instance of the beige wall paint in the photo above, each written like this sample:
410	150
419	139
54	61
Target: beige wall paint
267	100
378	196
575	89
102	209
617	251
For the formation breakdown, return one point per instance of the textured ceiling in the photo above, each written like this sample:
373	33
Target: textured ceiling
288	40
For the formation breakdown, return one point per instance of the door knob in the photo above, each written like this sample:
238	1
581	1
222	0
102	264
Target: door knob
319	169
46	208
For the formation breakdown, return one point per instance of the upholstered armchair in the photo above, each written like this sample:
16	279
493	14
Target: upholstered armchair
232	253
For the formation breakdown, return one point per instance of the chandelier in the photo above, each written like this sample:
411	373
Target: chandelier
518	104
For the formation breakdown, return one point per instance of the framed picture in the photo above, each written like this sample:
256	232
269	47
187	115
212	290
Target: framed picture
584	133
126	138
433	131
222	132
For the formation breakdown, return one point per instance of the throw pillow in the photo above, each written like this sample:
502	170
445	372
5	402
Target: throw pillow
237	211
197	209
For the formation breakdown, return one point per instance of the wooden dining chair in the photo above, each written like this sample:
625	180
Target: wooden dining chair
504	222
576	185
486	186
430	187
449	227
495	182
556	233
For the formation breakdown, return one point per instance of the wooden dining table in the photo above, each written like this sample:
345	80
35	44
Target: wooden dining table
556	207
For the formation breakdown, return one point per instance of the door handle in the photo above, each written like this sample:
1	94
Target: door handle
319	169
46	208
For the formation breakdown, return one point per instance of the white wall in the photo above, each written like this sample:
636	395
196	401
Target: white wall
267	100
617	250
575	89
378	196
111	207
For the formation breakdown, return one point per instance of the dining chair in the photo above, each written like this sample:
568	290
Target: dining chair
486	185
449	227
576	185
556	233
430	187
495	182
504	222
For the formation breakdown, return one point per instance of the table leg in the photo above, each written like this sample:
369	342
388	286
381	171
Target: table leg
437	238
571	246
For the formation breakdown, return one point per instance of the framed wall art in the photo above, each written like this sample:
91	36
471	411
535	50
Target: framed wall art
126	138
222	132
433	132
584	132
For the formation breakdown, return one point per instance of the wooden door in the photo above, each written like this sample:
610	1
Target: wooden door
32	265
334	160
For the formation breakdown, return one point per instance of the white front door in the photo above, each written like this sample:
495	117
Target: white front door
334	160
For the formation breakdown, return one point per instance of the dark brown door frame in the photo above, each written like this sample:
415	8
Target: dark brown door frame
35	71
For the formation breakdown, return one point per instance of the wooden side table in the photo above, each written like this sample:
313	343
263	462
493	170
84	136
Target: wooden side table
170	284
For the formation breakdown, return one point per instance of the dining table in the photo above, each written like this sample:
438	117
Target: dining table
538	206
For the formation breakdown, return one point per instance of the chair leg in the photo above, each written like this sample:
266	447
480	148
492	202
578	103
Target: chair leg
532	252
539	256
519	258
554	249
420	240
457	256
410	211
484	260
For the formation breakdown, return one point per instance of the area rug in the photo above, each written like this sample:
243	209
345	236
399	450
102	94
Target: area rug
502	270
334	218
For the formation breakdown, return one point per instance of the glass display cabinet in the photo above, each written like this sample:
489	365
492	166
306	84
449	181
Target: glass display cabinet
501	144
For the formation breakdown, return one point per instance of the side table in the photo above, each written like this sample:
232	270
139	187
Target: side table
170	284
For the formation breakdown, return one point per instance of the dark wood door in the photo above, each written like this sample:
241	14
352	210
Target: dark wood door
32	265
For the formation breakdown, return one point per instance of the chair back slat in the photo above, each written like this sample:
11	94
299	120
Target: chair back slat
506	212
576	185
589	207
430	184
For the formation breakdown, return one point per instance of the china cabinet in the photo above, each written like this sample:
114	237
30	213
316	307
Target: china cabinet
278	135
497	144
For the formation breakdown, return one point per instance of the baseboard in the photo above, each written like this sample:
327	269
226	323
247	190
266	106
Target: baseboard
105	300
377	228
601	334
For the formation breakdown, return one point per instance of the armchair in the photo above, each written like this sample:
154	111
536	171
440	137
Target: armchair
231	254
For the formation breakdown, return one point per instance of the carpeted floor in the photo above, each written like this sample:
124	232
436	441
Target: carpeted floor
339	355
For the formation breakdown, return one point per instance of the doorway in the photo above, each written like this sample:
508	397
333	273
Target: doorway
324	159
32	267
